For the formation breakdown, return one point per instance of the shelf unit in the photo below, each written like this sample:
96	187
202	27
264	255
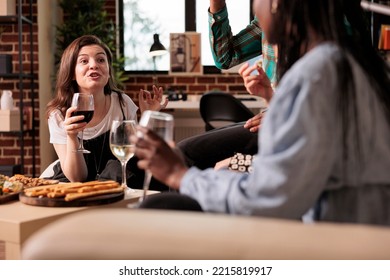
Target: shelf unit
378	12
22	76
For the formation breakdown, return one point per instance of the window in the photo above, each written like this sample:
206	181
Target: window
143	18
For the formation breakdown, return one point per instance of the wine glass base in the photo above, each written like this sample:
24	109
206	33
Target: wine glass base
82	151
128	191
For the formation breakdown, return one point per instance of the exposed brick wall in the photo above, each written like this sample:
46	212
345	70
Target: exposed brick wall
231	83
9	143
188	84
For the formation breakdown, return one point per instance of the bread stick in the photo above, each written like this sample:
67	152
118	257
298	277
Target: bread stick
55	194
105	186
47	187
37	193
73	196
76	190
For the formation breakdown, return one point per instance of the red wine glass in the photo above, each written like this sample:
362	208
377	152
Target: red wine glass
85	106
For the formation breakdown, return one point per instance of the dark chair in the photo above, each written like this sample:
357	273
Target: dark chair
220	107
171	201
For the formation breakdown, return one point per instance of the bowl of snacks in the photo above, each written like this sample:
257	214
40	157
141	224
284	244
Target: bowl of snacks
9	190
10	187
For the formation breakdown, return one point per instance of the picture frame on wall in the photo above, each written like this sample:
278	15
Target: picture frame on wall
185	53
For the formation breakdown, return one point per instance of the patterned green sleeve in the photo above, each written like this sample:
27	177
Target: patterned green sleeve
229	50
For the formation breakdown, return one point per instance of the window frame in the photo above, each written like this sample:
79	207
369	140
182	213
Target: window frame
190	25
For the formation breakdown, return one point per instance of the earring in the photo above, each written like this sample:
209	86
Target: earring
274	7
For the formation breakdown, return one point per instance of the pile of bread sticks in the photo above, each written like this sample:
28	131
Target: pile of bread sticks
73	191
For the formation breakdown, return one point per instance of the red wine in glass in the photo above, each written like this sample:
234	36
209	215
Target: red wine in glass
87	115
85	106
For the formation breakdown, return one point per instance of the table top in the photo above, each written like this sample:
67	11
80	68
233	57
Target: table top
18	212
15	216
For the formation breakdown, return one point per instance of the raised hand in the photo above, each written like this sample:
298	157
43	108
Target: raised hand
159	158
149	101
253	124
73	124
216	5
258	84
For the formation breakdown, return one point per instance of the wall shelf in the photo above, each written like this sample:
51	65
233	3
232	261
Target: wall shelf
23	77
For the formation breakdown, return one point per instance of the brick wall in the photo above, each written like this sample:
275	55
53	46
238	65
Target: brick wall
10	142
188	84
9	147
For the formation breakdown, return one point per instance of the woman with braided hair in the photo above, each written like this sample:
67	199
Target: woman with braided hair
325	142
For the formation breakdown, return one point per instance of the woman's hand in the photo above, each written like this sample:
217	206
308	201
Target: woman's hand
258	84
148	101
216	5
253	124
73	125
223	164
157	156
73	164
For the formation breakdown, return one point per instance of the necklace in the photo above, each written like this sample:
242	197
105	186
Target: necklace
98	162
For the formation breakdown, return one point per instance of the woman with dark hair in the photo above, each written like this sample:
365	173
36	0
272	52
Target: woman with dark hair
325	142
86	67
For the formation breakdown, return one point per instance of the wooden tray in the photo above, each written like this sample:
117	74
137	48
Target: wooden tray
9	197
60	202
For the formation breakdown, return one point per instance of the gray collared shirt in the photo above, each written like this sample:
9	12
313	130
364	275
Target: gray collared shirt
300	151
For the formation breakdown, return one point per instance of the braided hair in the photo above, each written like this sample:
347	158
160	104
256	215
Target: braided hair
342	22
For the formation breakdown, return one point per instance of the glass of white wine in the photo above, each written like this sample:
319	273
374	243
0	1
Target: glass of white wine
162	124
121	146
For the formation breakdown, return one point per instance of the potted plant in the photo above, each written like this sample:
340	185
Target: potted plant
82	17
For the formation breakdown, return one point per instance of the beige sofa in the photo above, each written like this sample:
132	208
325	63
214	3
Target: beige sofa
153	234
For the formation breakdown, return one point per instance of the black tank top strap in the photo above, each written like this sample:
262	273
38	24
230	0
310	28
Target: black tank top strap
99	156
95	161
120	106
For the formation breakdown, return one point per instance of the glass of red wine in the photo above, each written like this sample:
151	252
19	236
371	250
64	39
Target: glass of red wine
85	107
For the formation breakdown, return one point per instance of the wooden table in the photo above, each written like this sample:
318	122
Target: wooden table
18	221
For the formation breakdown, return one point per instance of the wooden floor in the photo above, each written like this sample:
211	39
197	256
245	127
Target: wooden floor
2	250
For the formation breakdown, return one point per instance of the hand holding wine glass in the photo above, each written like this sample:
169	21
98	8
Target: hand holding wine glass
162	125
85	107
121	146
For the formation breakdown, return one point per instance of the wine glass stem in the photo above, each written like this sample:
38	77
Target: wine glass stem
81	146
148	177
124	183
